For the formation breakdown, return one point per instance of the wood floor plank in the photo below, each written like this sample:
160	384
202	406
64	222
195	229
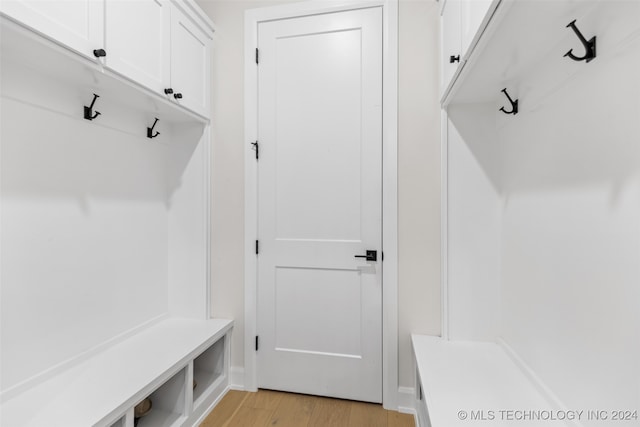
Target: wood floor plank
330	413
273	408
396	419
264	399
254	417
225	409
367	414
294	410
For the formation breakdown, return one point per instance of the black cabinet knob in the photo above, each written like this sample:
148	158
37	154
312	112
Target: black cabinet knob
453	59
99	53
178	96
168	91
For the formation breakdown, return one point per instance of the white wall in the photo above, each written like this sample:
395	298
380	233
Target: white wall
84	224
419	170
551	204
571	233
418	178
474	226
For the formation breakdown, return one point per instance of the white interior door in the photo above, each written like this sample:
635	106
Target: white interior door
320	205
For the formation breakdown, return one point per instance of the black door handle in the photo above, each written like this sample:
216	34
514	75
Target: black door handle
370	256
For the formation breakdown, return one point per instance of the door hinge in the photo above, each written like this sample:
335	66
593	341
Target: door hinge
257	342
257	56
382	255
257	147
257	247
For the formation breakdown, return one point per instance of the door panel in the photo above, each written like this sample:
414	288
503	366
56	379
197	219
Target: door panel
138	41
320	175
189	62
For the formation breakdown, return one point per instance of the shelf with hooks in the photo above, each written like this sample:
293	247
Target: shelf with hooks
22	46
525	46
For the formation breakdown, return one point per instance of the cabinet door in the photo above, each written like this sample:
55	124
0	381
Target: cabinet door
451	52
137	40
472	13
78	24
190	50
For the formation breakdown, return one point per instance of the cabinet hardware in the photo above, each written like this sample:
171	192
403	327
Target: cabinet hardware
99	53
168	91
370	256
454	58
150	133
589	45
514	104
257	148
178	96
89	114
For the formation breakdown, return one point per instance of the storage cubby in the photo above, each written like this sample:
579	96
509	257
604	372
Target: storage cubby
120	423
168	403
208	369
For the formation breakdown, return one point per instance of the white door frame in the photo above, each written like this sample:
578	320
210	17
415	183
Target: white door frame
389	183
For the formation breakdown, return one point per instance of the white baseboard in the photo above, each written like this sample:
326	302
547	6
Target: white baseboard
406	400
236	378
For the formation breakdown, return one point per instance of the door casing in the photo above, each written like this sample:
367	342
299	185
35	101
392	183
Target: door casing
389	182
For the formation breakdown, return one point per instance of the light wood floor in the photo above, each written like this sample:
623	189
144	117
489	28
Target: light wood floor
272	408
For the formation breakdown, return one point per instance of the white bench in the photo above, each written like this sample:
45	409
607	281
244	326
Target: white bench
160	361
472	384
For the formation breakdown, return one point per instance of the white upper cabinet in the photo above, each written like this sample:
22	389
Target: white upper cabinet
190	62
451	48
461	20
78	24
472	13
164	45
137	41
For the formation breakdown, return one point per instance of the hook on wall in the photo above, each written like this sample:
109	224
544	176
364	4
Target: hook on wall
514	104
589	45
88	111
150	133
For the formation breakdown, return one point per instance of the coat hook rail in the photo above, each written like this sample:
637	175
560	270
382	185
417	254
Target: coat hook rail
589	45
89	114
150	133
514	104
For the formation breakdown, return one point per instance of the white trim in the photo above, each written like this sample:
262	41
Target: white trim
389	185
407	400
444	223
236	378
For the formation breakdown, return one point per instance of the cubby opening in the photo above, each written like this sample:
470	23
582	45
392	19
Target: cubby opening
120	423
167	403
208	369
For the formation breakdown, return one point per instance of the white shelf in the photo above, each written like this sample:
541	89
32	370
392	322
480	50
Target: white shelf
30	49
472	376
99	390
161	418
208	370
521	47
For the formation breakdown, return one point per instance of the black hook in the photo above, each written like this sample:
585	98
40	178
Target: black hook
150	133
589	45
514	104
88	111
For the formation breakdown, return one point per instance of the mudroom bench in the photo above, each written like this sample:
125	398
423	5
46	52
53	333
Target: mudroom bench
464	383
180	364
